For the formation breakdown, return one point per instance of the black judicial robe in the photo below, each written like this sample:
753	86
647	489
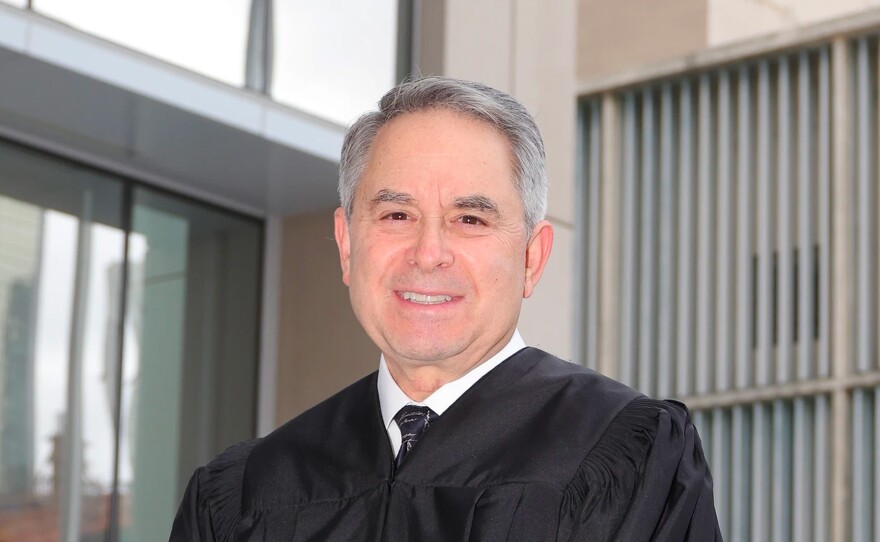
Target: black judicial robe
537	450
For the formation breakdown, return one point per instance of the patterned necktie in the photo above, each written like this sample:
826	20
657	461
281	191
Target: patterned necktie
413	421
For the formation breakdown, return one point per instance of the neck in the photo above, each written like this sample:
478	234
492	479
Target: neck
419	379
420	382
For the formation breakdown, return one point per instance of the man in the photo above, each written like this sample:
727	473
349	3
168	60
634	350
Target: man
463	433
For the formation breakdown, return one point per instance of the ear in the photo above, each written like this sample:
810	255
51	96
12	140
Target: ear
537	253
343	242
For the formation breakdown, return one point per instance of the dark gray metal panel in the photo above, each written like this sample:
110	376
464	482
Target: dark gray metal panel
258	61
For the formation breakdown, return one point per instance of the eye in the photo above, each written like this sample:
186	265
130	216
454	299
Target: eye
472	220
396	215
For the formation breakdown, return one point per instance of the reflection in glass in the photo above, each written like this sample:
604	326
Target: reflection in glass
183	388
59	234
334	58
205	36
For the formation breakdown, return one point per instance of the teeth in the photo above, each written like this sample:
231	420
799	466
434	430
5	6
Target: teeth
425	299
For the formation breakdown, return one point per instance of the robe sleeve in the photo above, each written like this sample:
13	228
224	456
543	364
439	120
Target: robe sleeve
646	480
211	506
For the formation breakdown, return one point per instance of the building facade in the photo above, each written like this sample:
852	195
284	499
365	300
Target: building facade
729	193
169	283
149	153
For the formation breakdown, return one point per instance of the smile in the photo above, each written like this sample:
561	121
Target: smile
425	299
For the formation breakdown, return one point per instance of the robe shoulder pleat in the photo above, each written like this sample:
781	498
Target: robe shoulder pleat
211	507
646	479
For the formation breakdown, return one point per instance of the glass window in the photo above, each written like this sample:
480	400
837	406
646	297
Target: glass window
79	382
334	58
60	237
205	36
189	371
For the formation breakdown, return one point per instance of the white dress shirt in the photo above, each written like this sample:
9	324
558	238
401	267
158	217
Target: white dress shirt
392	398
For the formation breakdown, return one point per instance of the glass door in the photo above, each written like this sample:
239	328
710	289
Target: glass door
128	348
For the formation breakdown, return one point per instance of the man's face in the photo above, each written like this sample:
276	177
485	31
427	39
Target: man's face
436	255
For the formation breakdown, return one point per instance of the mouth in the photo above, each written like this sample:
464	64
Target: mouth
424	299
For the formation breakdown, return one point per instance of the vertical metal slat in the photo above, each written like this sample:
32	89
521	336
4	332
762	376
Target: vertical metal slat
806	152
785	246
821	465
781	471
740	475
875	462
706	236
866	329
686	228
648	269
593	187
861	488
745	224
803	491
721	465
823	168
628	265
760	473
724	258
668	212
765	229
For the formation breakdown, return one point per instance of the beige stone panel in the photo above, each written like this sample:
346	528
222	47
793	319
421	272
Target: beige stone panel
618	36
478	41
322	347
546	318
737	20
544	81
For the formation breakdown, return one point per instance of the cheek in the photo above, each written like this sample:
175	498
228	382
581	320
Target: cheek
370	259
498	268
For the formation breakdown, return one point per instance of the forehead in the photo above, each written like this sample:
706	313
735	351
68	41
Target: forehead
438	149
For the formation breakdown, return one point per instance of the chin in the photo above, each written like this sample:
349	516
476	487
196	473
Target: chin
422	352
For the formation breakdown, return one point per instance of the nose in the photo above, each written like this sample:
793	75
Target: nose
430	248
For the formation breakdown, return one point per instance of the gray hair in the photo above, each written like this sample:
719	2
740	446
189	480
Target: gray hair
474	100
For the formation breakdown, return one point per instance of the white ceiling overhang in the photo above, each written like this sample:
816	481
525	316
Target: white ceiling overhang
85	97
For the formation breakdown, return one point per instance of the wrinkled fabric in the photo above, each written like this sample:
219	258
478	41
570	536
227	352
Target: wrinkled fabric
538	449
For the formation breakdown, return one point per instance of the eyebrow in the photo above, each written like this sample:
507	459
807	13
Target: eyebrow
390	196
477	202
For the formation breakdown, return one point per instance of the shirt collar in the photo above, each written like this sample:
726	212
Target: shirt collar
392	398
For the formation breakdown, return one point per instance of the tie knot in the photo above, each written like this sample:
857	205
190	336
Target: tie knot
412	421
